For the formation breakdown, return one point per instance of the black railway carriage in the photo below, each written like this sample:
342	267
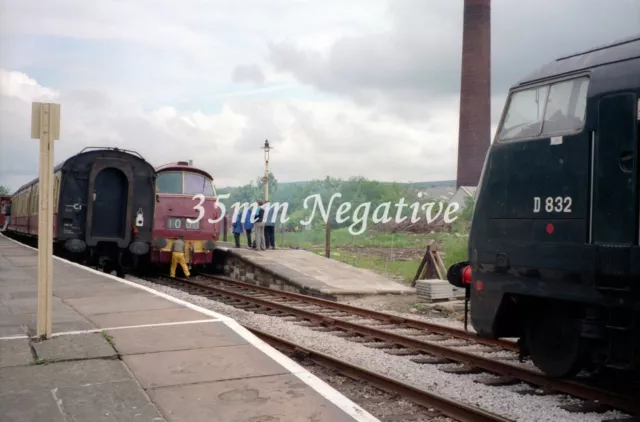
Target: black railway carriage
554	248
104	204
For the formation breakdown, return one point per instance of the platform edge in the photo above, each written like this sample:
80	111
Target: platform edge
324	389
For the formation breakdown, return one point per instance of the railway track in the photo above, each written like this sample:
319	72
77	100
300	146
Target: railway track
333	317
450	408
400	322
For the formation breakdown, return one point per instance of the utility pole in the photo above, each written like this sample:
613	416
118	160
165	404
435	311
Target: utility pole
45	125
266	149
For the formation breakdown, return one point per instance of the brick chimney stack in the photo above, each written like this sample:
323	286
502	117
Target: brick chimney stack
475	92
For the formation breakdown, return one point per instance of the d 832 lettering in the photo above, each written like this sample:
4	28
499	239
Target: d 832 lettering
552	204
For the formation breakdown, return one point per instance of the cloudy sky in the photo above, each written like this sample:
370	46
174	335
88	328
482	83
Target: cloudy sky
341	88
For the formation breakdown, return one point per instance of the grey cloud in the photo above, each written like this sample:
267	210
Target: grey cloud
18	153
248	73
260	126
320	142
87	99
418	60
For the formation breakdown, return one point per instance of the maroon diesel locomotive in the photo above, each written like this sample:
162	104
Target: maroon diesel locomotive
186	203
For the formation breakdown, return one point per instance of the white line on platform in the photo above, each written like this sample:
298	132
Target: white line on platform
160	324
18	337
324	389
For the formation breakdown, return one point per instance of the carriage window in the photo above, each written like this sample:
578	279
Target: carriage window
170	182
196	183
524	114
566	106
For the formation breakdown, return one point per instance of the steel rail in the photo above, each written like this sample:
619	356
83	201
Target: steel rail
381	316
456	410
570	387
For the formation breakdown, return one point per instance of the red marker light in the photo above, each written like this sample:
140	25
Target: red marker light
466	275
550	228
479	285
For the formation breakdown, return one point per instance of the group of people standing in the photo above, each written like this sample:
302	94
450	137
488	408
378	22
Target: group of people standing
264	224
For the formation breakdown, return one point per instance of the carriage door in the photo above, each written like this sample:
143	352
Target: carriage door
109	196
615	182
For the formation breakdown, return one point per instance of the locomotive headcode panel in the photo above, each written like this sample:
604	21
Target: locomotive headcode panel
554	247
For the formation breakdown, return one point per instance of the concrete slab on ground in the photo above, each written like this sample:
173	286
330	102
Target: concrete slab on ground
180	367
314	272
87	391
167	338
87	289
21	378
139	301
75	347
19	314
15	352
282	398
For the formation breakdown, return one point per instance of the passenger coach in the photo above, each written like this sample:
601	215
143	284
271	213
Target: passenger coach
554	248
186	202
103	205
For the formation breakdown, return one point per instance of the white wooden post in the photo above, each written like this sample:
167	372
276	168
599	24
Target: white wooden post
45	125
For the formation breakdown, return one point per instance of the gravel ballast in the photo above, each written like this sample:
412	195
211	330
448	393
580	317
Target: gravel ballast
503	400
382	405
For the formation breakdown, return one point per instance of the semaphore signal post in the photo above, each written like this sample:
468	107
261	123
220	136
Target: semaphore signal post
45	125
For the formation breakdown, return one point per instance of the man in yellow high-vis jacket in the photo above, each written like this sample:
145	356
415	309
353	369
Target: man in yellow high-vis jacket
177	257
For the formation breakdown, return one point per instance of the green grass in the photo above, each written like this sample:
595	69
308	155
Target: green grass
342	237
391	254
404	269
107	337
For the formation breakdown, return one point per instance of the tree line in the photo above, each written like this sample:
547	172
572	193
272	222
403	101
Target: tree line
354	190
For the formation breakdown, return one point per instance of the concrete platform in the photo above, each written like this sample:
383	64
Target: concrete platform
305	272
124	352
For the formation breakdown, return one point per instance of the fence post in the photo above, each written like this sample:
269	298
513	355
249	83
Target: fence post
225	222
327	245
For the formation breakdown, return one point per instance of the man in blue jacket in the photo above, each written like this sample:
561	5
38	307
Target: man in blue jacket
270	227
248	225
237	229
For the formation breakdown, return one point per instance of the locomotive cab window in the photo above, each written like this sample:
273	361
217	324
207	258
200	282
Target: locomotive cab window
196	183
566	106
170	182
185	183
547	110
524	114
